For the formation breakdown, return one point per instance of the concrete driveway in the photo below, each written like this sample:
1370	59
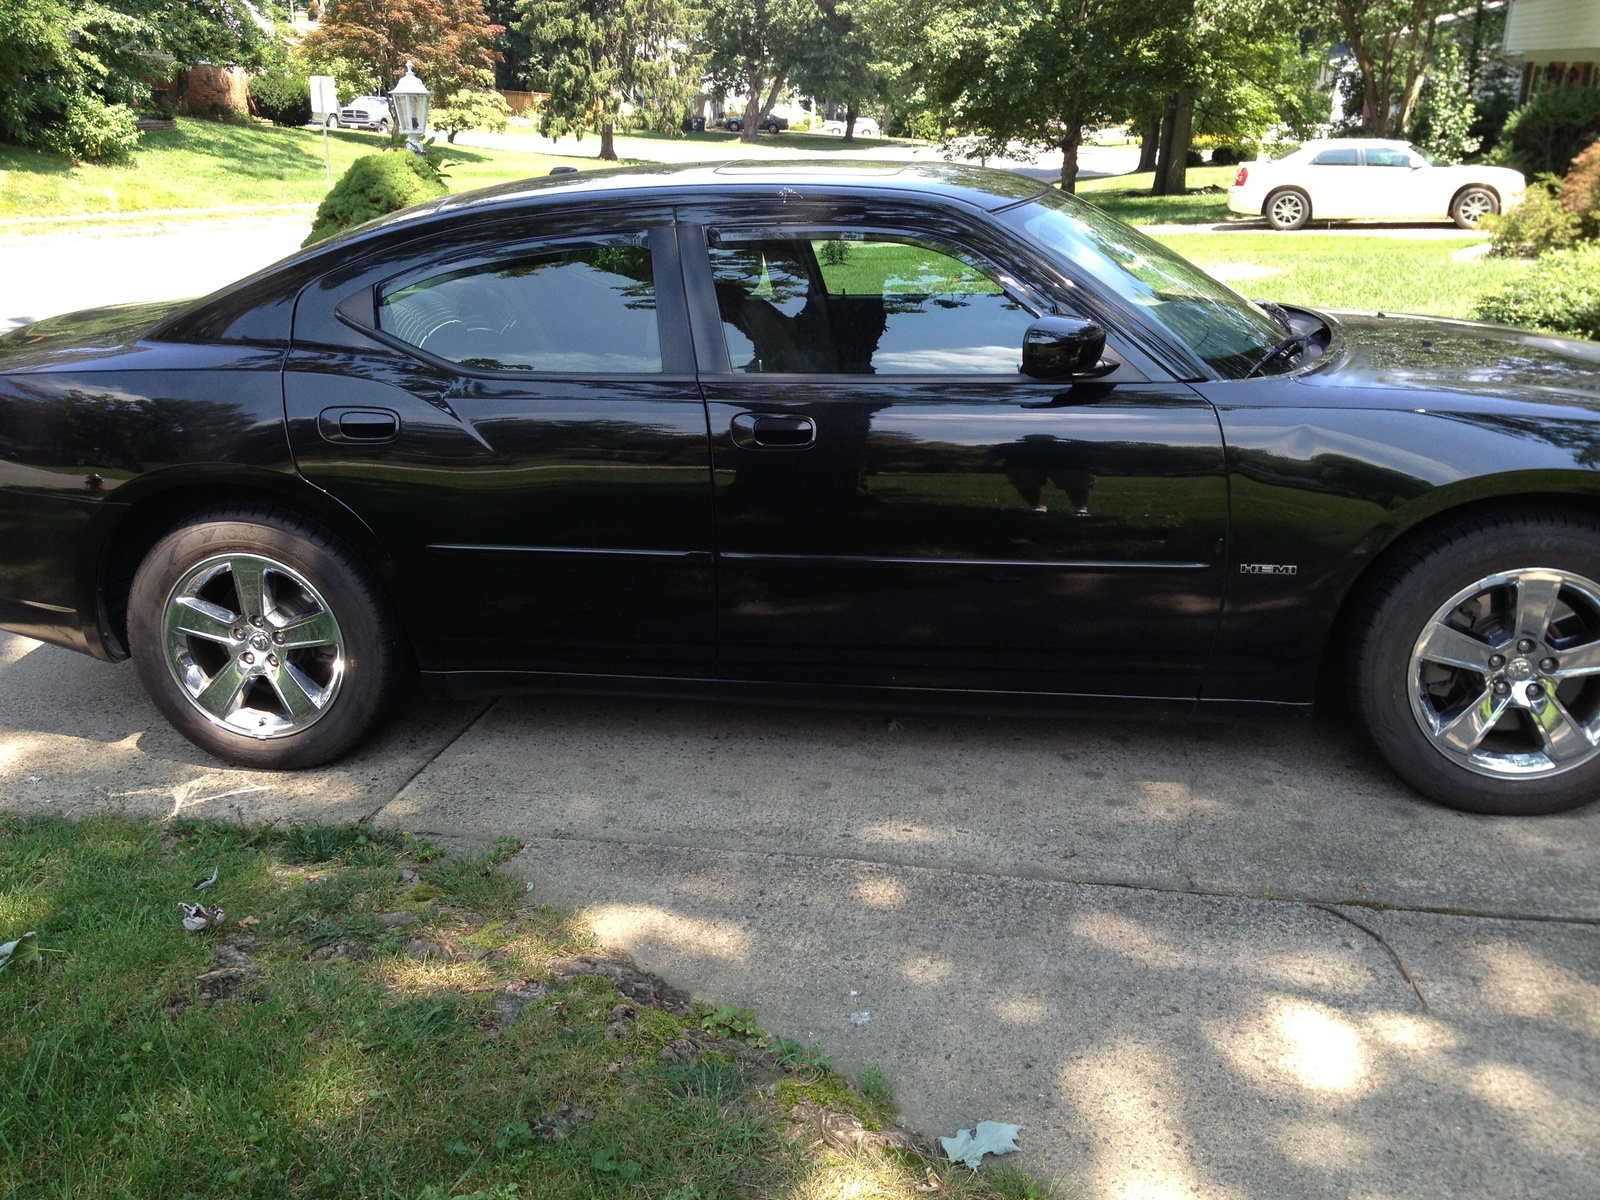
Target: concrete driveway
1097	931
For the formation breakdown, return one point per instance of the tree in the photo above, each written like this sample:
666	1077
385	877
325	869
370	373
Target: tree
1445	112
365	44
755	46
471	108
840	67
1037	72
1391	41
595	56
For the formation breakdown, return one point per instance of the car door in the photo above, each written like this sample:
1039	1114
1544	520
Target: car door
1333	181
516	418
1393	187
897	505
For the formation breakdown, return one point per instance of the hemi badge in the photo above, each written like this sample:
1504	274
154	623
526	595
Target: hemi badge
1268	568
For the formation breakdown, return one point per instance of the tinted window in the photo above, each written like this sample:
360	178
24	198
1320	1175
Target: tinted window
1383	156
587	309
1335	158
863	306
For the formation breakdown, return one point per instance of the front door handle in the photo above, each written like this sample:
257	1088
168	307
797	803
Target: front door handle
358	425
772	431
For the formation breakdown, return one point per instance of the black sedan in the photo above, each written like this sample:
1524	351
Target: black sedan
876	433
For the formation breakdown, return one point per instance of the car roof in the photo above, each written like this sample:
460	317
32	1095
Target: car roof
984	188
1325	142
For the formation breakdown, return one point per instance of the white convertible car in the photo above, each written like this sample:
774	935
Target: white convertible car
1363	178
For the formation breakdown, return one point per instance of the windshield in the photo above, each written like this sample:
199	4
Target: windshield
1219	325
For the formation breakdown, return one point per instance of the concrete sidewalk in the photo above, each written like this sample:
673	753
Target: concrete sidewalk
1099	932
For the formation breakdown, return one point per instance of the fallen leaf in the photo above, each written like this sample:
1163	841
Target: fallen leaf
246	922
22	950
990	1137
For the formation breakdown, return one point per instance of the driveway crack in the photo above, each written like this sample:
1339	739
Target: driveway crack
454	738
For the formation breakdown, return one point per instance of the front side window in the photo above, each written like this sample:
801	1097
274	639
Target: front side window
1215	322
588	308
1335	158
849	304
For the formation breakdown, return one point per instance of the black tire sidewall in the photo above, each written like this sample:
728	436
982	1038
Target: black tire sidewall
372	655
1383	658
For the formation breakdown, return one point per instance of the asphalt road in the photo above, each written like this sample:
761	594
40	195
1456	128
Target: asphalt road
1103	932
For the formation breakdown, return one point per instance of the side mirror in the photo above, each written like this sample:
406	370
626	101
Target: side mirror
1061	348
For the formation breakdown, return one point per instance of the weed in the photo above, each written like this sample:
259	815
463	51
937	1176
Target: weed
800	1058
875	1086
737	1023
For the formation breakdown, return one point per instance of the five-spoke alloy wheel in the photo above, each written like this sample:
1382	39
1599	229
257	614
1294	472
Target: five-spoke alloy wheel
262	638
1478	663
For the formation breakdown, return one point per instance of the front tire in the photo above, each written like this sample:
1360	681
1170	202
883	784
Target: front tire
1287	209
1477	663
263	639
1472	205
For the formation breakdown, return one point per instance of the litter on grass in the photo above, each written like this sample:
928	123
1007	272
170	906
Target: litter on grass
197	917
970	1145
207	881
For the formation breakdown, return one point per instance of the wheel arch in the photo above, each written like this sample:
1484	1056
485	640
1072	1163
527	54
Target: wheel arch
1406	534
1274	189
125	532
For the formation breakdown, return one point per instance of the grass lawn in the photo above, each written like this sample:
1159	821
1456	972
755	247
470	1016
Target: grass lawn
1336	271
377	1019
1128	198
207	164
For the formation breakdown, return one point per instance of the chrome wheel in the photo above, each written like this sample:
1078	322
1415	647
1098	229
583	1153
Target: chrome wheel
1505	677
1474	206
1288	210
253	645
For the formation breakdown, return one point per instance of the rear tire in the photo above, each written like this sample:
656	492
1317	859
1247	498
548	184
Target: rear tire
263	639
1287	208
1476	662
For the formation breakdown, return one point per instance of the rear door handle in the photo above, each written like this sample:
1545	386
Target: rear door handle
772	431
358	425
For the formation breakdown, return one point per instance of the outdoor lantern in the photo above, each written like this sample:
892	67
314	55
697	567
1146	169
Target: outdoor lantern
410	99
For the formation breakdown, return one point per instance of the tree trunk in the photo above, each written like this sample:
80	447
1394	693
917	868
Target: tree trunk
450	136
608	147
1173	163
1070	141
1167	127
752	104
1149	142
850	123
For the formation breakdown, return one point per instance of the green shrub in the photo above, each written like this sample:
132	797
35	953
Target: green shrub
1558	294
374	185
1538	224
471	108
281	96
1224	156
91	129
1580	190
1548	132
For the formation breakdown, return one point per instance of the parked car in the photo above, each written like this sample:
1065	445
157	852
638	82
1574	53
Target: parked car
1356	178
364	112
865	127
771	123
916	434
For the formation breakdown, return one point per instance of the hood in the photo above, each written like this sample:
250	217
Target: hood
1473	358
90	329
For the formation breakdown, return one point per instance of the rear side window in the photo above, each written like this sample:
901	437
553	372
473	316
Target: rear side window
1335	158
1384	156
583	309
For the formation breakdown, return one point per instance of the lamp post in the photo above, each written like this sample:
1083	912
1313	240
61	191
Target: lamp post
410	99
